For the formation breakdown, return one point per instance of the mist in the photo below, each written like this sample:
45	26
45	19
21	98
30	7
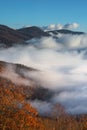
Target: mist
62	65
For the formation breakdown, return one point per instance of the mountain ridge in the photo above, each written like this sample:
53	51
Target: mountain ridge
66	31
10	36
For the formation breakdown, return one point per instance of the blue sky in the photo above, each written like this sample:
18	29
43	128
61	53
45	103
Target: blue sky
16	13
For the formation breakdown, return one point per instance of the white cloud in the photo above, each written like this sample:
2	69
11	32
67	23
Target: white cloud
54	27
71	26
60	26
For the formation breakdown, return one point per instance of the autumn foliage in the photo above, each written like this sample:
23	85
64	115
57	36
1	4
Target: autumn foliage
15	112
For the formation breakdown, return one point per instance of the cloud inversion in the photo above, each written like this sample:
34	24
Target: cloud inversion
63	69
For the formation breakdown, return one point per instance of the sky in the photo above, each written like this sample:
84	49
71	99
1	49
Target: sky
19	13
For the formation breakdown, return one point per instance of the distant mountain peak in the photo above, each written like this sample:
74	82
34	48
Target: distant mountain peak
10	36
66	31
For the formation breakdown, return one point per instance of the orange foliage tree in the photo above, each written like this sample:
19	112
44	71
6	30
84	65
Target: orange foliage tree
15	112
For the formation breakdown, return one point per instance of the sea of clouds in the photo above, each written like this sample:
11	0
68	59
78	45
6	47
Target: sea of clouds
63	69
